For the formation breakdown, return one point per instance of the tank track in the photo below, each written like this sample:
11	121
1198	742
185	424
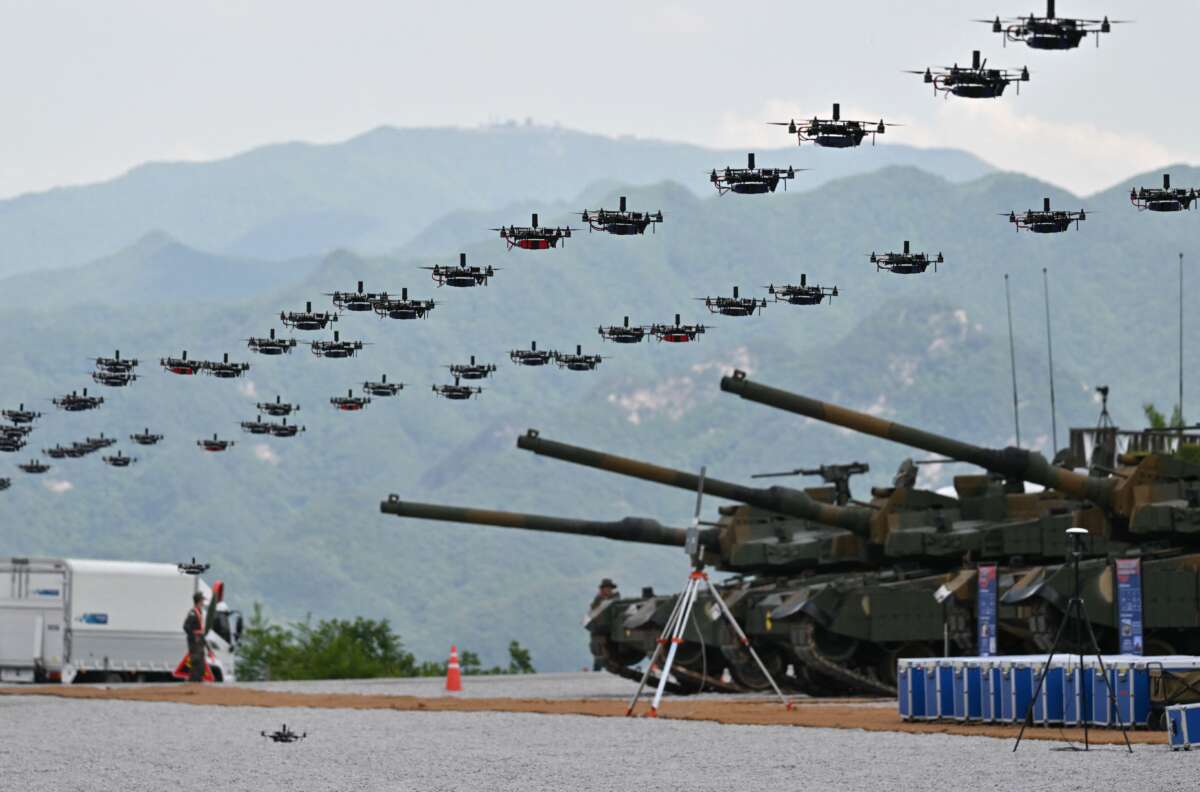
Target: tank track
804	644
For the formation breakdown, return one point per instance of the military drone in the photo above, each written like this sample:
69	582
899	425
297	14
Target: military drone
677	333
145	438
284	735
733	306
271	345
358	301
116	364
751	180
193	567
1163	199
456	392
34	466
20	415
113	379
624	333
383	387
15	430
472	370
621	222
278	407
215	444
10	444
96	443
532	356
62	452
802	294
833	132
976	82
285	429
119	460
461	276
75	402
533	236
307	319
337	348
905	263
1050	32
404	308
578	361
181	365
350	402
1047	221
257	426
223	369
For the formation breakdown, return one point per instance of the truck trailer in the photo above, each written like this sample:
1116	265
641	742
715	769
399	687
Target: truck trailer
75	620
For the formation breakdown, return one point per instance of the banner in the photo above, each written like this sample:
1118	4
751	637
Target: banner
1129	604
985	615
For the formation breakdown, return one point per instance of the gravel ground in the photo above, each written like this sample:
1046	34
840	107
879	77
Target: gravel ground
63	745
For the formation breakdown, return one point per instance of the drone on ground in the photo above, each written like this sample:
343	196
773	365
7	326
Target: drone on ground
624	333
1047	221
113	379
621	222
833	132
350	402
181	365
284	735
578	361
337	348
223	369
285	429
802	294
906	262
383	387
307	319
457	391
257	426
271	345
1163	199
76	402
20	415
34	466
472	370
532	356
358	301
533	236
193	567
976	82
215	444
119	460
145	438
751	180
278	407
403	308
461	276
116	364
677	333
1050	32
733	306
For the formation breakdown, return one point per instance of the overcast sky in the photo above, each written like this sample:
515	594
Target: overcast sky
91	89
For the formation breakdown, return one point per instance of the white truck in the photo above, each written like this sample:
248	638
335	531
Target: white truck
73	620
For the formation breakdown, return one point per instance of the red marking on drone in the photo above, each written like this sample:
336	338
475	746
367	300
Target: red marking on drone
533	244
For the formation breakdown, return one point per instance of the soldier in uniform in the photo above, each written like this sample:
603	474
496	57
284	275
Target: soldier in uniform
608	590
193	626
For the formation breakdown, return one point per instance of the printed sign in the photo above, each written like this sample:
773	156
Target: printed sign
1129	604
985	615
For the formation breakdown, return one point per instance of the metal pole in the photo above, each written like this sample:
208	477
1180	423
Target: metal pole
1050	353
1012	353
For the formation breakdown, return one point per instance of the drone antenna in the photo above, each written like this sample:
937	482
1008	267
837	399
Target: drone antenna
627	321
750	161
676	319
803	280
383	378
308	307
906	247
622	203
1045	204
535	225
404	293
735	292
837	112
360	287
1012	353
472	360
462	259
975	59
1049	9
1050	353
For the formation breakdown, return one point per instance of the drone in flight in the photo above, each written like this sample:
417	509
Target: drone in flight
733	306
20	415
278	408
76	402
308	319
215	444
181	365
146	438
833	132
976	82
96	443
403	308
284	735
677	333
533	236
461	276
472	370
578	361
1163	199
5	484
116	364
1050	32
193	567
257	426
119	460
113	379
1046	221
223	369
271	345
622	222
358	301
803	294
337	348
11	443
383	387
624	333
285	429
457	391
906	262
350	402
751	180
62	452
532	356
34	466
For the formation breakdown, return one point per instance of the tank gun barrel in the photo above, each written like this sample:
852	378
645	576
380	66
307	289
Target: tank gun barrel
1015	463
781	500
631	529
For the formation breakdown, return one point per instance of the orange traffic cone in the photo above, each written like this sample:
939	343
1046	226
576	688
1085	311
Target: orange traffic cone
453	672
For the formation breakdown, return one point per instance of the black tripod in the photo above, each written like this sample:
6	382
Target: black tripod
1076	612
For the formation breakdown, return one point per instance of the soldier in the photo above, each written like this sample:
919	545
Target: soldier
193	627
608	591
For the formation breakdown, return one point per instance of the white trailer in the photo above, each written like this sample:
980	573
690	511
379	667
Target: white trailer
75	620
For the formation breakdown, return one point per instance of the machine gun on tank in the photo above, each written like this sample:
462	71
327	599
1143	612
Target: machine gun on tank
838	476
